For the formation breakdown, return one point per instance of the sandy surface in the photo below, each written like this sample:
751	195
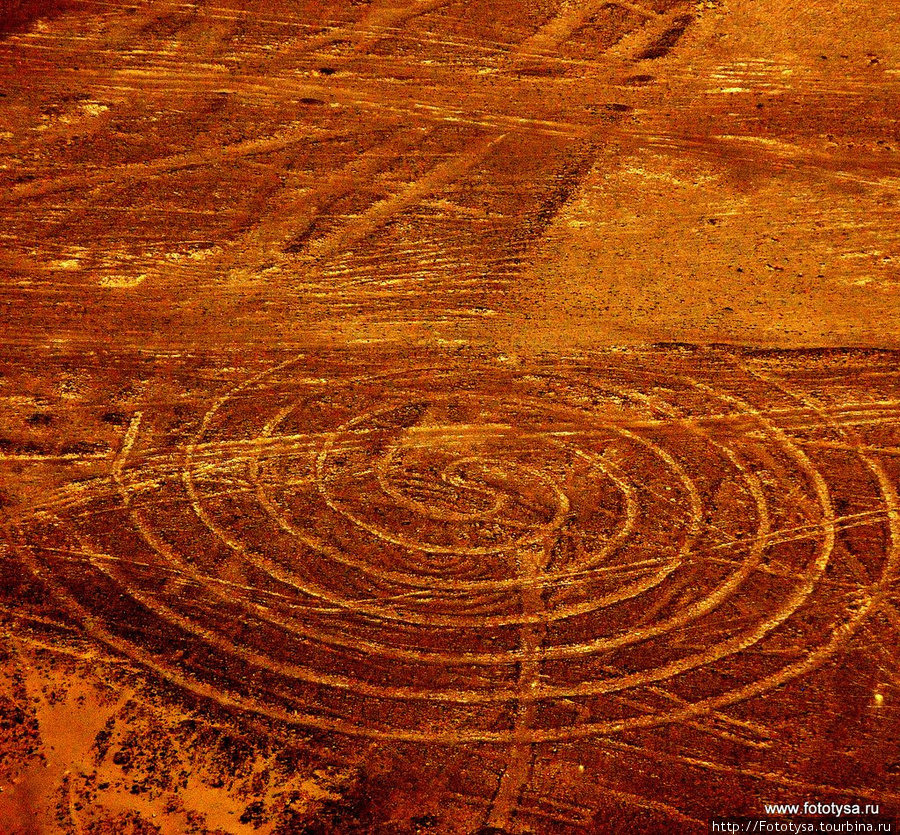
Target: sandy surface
447	417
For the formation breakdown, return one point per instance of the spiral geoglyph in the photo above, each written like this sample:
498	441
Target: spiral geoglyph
418	554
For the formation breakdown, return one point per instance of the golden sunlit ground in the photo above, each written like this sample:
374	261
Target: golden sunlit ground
447	416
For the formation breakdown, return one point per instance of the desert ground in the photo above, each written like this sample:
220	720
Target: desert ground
447	416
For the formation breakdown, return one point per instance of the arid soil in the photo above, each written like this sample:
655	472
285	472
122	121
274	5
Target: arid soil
447	417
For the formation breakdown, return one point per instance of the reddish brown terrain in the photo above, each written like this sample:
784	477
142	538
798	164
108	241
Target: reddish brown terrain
447	416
